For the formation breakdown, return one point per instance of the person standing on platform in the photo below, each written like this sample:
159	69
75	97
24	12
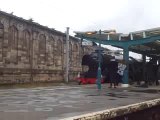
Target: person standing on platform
149	73
121	68
112	69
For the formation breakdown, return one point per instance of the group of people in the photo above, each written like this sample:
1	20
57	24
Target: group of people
115	70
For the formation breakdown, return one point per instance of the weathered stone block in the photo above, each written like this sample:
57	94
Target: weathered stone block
35	50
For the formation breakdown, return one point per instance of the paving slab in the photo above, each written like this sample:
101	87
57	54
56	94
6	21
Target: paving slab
59	102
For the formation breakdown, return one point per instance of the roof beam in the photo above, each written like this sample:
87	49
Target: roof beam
122	44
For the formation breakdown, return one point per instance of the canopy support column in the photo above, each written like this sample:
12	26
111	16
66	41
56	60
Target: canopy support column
144	67
125	79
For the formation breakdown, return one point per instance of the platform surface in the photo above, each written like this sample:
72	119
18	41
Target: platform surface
58	102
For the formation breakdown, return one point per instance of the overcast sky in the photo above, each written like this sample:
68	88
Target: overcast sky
82	15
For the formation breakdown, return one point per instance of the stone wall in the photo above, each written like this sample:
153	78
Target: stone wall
30	52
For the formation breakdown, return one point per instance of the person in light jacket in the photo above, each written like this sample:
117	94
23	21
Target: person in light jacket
121	68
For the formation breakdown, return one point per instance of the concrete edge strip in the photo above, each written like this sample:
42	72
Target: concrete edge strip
114	112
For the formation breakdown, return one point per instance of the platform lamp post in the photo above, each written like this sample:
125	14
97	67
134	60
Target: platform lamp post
99	72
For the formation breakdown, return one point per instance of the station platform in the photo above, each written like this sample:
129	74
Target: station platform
75	102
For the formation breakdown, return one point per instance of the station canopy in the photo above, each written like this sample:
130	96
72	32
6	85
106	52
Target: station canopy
146	42
152	48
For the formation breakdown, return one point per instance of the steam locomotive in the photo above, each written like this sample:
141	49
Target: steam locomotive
136	69
90	76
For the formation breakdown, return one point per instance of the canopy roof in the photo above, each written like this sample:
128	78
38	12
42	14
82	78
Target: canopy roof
151	49
146	42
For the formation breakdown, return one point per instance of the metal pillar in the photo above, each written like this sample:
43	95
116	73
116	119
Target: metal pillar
99	66
67	55
99	70
144	67
126	76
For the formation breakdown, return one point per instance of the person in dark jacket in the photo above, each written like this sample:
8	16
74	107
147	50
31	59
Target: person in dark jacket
112	69
149	73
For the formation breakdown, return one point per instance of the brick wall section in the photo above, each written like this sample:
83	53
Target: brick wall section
30	52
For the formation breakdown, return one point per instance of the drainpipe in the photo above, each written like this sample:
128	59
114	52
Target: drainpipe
67	55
